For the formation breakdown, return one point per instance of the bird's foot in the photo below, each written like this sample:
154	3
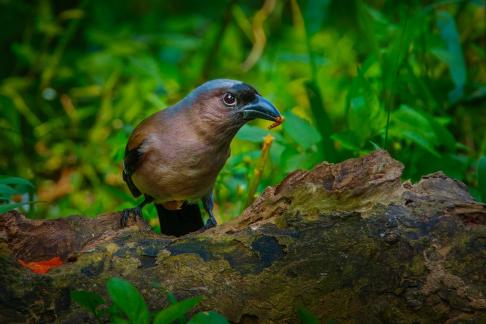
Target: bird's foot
125	214
210	223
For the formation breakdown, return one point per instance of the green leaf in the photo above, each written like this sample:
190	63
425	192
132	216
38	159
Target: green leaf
173	312
443	135
173	300
481	173
306	316
255	134
7	191
454	57
15	181
118	320
208	318
347	139
301	131
315	14
276	152
419	139
114	312
127	298
394	56
8	207
415	126
322	119
10	186
293	160
375	146
366	117
87	299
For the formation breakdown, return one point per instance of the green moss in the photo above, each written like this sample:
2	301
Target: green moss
417	266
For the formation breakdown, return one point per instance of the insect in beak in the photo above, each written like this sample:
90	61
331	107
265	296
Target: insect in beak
278	120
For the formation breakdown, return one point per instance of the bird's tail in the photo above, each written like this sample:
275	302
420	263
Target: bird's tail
179	222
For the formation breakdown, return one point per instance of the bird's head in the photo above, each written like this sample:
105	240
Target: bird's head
234	101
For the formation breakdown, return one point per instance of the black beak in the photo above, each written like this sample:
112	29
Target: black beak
261	108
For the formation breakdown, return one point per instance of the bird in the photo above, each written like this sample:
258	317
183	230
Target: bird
174	156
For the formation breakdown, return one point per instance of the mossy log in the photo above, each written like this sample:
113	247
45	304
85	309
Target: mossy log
349	241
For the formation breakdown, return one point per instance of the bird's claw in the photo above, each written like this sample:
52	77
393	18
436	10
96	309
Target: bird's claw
210	223
125	214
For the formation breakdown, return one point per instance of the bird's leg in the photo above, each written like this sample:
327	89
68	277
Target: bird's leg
208	204
135	211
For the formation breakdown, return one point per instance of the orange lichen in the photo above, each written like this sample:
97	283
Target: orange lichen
42	267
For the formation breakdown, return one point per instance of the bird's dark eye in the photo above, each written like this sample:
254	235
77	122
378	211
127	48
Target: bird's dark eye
229	99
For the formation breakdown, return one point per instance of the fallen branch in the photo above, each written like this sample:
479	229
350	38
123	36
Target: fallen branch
348	241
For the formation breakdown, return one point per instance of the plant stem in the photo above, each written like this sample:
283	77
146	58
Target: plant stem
260	166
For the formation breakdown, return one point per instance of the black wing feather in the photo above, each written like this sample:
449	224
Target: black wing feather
130	163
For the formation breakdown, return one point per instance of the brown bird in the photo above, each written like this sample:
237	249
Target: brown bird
174	156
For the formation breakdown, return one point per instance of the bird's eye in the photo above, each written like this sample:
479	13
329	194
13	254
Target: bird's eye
229	99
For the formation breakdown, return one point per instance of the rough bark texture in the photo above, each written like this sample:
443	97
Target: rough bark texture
349	241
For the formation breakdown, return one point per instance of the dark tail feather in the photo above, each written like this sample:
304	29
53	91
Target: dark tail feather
179	222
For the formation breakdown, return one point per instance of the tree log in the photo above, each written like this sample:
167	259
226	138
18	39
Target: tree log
349	241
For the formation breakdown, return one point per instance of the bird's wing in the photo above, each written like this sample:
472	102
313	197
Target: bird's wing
133	152
131	161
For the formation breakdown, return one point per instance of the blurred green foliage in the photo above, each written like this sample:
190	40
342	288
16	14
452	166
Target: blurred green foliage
129	306
350	77
306	316
14	192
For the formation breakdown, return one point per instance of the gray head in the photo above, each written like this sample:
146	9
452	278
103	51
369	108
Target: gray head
231	101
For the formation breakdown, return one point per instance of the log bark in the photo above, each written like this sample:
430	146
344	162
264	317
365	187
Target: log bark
349	241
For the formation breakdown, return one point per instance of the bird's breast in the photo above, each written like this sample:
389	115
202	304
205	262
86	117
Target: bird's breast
180	172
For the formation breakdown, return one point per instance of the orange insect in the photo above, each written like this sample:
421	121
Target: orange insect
277	122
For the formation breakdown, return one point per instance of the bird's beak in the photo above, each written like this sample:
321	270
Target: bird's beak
261	108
